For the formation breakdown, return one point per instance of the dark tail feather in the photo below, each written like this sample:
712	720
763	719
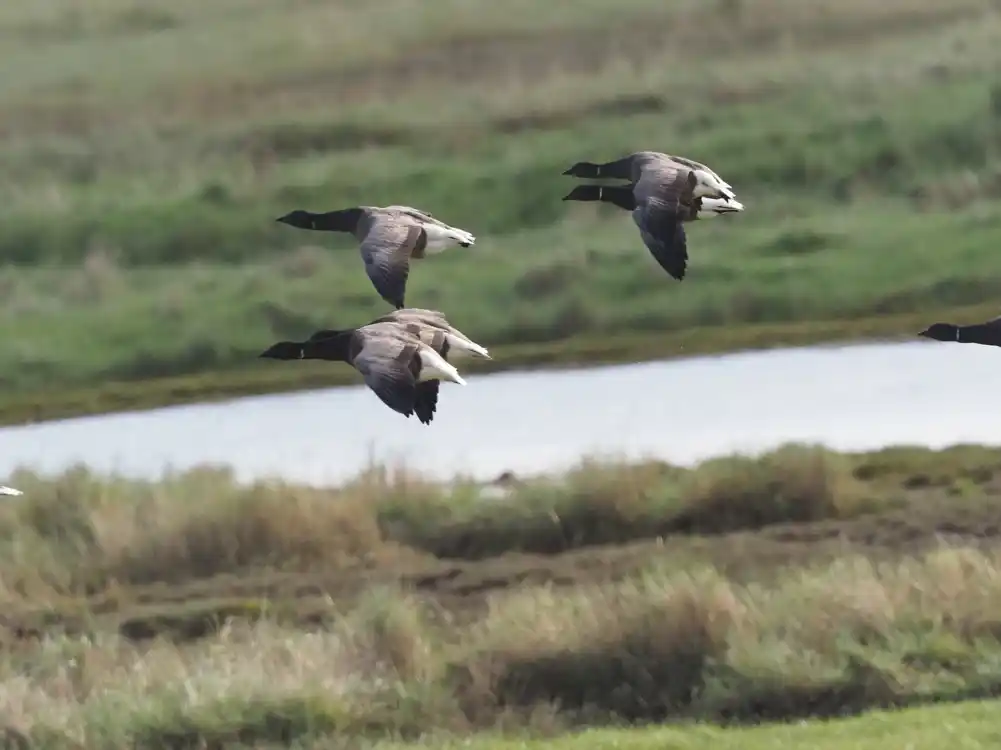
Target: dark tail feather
672	253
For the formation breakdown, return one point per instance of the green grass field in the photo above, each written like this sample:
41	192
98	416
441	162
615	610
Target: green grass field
147	152
740	603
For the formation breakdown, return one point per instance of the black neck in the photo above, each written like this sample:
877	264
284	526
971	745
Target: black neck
618	195
336	348
978	334
620	169
344	220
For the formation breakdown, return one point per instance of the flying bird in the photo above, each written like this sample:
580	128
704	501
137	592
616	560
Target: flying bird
403	369
988	334
663	196
423	324
708	183
389	238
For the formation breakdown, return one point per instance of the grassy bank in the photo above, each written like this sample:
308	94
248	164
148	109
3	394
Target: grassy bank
196	612
138	200
974	725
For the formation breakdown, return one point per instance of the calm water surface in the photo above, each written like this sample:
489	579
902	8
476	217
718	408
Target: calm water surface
854	397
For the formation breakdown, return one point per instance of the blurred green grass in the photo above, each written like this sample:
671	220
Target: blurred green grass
138	197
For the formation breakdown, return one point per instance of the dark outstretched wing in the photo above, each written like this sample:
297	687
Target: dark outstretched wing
426	401
387	363
667	242
665	195
386	250
667	184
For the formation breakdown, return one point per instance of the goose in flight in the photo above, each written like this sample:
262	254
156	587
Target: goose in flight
708	183
9	491
423	323
662	198
988	334
402	369
389	238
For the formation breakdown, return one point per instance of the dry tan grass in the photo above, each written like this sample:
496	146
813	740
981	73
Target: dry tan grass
195	611
820	640
607	503
84	687
80	533
793	484
263	527
665	644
